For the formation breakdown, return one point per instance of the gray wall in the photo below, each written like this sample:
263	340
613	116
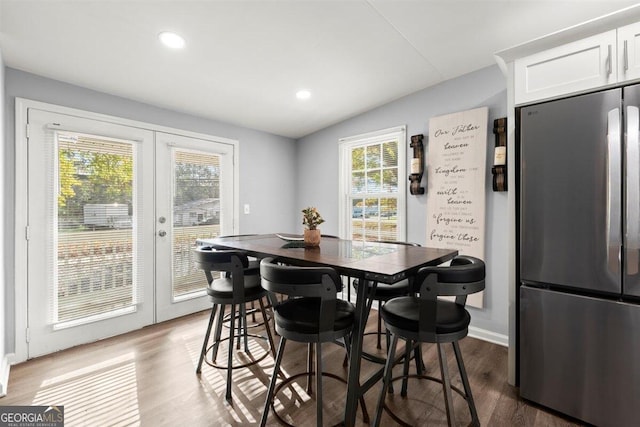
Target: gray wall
3	227
318	173
267	180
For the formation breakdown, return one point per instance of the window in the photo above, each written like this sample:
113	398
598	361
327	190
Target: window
94	208
196	214
373	186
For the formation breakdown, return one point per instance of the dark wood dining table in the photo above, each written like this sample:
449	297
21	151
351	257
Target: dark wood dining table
378	262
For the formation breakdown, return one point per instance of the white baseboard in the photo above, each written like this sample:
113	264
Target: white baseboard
5	366
492	337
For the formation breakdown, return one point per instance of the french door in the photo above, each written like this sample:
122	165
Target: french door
113	213
194	190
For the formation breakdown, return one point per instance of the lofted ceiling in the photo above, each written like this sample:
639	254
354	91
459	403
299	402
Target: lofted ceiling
244	61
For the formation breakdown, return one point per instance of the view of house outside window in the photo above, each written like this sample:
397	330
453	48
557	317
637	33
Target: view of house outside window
196	213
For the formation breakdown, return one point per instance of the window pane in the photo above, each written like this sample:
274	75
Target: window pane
371	208
357	208
357	219
372	226
196	214
357	182
94	254
390	180
372	231
389	208
388	231
374	181
390	154
357	159
373	156
357	232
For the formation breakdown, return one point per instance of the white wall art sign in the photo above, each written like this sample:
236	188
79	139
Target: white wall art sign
456	176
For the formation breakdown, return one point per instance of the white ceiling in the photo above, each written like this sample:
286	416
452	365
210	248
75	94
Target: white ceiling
245	60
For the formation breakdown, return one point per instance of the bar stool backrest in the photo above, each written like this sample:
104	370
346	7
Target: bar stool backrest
234	262
463	277
307	282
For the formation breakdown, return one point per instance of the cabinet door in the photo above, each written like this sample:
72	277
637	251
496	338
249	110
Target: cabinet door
570	68
629	52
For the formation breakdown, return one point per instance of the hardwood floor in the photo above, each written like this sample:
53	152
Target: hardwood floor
148	377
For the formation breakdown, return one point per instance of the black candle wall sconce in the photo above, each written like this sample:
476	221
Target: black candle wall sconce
417	165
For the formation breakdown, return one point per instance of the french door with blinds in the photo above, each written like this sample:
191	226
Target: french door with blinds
193	182
113	212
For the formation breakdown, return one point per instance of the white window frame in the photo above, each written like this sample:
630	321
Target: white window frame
398	133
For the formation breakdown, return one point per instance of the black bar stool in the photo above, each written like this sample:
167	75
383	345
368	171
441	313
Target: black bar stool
311	314
425	318
252	268
234	289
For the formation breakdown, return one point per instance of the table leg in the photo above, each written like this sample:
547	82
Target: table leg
354	391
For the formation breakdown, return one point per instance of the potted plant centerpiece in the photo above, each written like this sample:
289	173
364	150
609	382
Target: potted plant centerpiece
311	219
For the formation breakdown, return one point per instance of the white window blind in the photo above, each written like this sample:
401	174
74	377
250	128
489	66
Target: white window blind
93	253
196	214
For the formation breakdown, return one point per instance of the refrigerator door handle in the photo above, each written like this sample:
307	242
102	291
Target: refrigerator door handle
633	190
626	56
613	190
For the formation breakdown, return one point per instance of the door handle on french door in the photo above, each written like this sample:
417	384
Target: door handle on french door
614	239
632	236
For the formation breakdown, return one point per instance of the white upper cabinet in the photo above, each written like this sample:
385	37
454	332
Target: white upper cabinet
629	52
573	67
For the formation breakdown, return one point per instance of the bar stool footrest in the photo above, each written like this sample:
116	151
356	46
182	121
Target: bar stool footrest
289	380
419	377
227	318
213	364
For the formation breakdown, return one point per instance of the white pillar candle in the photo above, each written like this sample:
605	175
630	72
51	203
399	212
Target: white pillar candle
500	156
415	165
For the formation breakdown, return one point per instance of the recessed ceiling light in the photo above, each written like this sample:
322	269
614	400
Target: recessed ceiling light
171	40
303	94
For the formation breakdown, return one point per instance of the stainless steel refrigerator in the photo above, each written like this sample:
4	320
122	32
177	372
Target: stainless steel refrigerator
579	256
